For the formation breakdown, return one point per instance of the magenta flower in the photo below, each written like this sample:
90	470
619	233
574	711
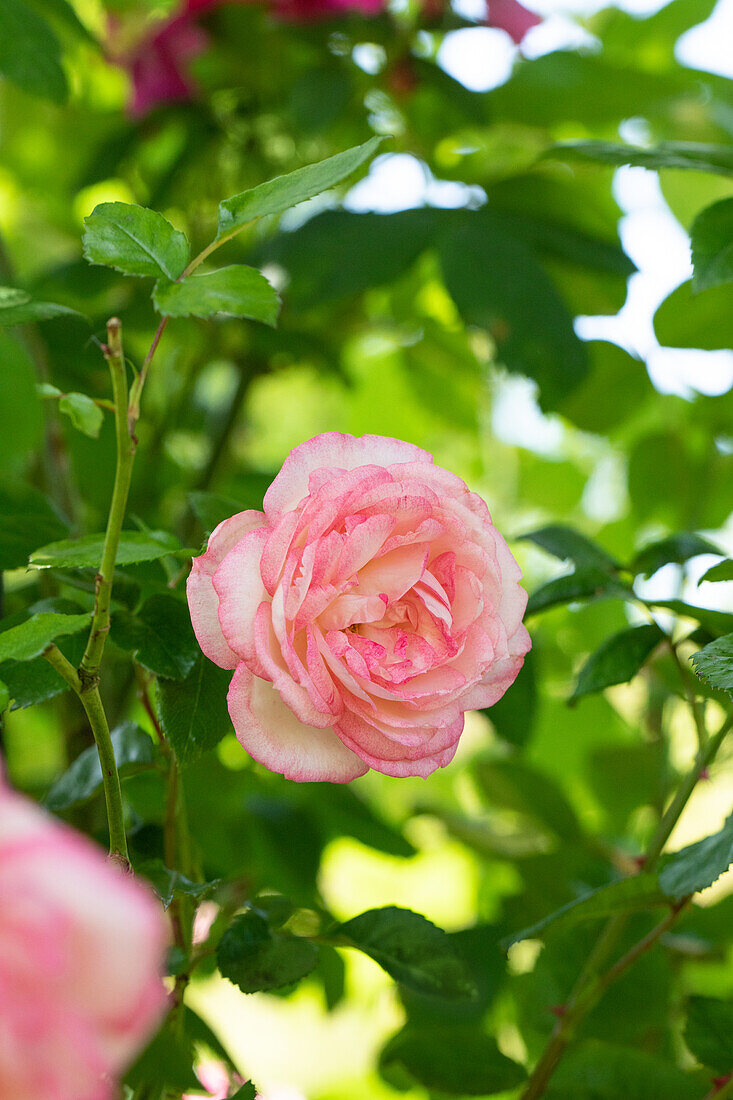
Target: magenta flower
369	605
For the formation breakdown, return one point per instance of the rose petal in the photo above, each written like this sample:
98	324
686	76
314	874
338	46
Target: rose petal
271	733
203	601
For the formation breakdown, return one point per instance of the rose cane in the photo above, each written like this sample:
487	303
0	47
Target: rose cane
369	605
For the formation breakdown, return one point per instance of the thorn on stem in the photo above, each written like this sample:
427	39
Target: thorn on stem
640	862
558	1010
704	773
720	1082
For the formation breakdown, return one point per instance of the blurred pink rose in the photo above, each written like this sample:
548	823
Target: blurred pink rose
512	17
81	952
368	607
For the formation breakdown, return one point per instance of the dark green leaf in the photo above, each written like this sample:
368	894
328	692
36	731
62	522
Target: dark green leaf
4	697
160	636
134	751
514	785
697	156
193	712
497	283
626	776
201	1034
21	415
211	509
689	320
17	307
284	192
456	1061
614	390
345	813
238	291
588	583
166	1063
596	1070
709	1032
31	682
30	54
618	659
86	552
714	663
248	1091
698	865
712	246
27	520
677	548
170	884
410	948
723	571
716	622
31	638
255	959
570	545
134	240
84	414
513	716
628	895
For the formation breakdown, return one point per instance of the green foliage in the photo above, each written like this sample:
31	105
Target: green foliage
570	545
134	751
723	571
86	552
714	663
709	1032
159	635
449	1060
30	639
284	192
691	155
712	246
193	711
82	412
255	958
30	54
17	307
27	520
602	1071
239	291
410	948
618	659
698	865
135	241
586	583
170	884
677	548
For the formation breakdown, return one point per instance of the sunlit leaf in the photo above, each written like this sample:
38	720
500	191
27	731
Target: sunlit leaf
134	240
238	291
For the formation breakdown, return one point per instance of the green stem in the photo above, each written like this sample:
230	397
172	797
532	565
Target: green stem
91	661
92	703
589	987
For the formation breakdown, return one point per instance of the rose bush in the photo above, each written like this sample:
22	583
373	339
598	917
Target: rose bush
81	955
368	606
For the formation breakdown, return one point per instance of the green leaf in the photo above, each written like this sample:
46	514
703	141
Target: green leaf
714	663
32	638
716	622
410	948
134	240
284	192
134	750
255	959
248	1091
677	548
616	387
193	712
83	413
628	895
712	246
21	415
514	785
513	716
160	636
595	1070
4	697
570	545
27	520
170	884
35	681
498	284
617	660
17	307
588	583
723	571
698	865
689	320
30	55
709	1032
165	1063
211	509
238	291
697	156
456	1061
86	552
344	813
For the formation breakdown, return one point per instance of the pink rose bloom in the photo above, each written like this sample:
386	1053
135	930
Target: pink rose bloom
81	953
368	606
